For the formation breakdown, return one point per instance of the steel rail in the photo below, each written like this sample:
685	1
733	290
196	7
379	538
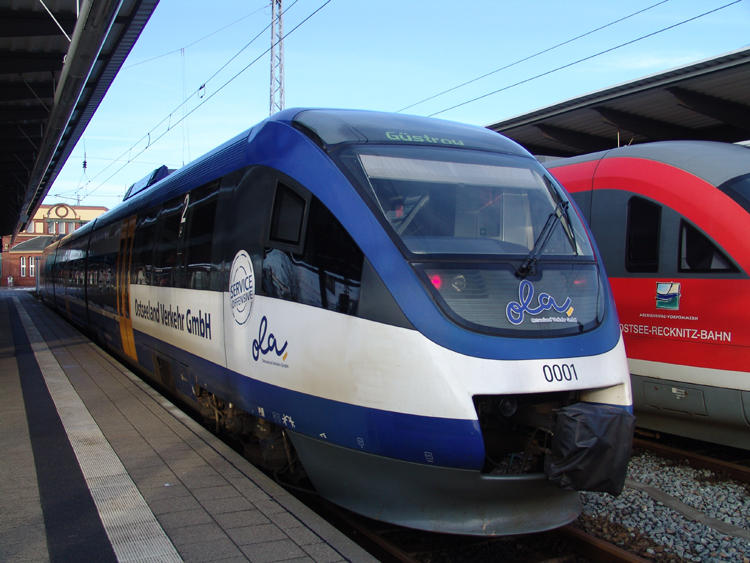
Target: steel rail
595	549
582	543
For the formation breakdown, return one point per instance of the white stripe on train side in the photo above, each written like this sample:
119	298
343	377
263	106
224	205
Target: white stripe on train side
709	377
356	361
186	318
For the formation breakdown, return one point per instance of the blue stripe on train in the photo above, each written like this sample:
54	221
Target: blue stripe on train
421	439
272	146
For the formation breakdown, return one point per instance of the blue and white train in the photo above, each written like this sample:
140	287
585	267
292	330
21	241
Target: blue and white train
408	312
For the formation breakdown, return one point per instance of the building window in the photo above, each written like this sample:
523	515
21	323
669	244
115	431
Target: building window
51	228
32	266
23	266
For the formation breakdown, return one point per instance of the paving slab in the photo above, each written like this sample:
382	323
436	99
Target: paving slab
190	497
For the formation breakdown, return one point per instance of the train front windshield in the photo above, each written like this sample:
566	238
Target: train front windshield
534	268
442	201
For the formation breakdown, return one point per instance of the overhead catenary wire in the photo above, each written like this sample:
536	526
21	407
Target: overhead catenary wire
205	100
568	65
185	124
149	162
200	92
64	194
84	175
523	60
78	202
197	40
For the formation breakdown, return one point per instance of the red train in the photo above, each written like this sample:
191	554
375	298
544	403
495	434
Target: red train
672	223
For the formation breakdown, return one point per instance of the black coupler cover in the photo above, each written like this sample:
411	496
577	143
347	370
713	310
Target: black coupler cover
590	448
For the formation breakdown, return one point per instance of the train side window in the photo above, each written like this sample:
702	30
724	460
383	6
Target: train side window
326	274
143	248
78	256
287	219
201	217
102	269
698	254
166	262
739	190
642	237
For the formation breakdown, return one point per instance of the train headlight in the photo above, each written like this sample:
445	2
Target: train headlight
561	297
458	282
508	406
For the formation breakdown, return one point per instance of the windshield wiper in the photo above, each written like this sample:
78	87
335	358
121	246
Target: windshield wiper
413	213
554	218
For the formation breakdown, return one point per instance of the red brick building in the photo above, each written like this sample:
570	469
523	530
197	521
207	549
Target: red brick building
50	221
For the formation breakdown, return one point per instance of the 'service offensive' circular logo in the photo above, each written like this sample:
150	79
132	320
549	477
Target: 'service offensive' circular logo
241	287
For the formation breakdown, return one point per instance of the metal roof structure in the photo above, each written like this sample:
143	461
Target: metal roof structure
57	61
36	244
707	100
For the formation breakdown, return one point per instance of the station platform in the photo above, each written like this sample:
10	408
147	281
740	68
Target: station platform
96	466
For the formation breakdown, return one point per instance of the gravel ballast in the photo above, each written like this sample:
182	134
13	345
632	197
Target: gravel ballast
653	530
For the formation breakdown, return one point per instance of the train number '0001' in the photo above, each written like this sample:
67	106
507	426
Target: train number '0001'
560	372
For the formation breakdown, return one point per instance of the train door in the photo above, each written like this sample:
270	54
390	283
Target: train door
48	270
676	288
248	214
123	287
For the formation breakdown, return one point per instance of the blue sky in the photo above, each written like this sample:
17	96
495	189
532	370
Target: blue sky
378	55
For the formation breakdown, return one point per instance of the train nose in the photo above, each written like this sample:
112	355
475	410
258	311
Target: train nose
579	446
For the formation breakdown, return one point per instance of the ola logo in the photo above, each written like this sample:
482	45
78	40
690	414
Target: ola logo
241	287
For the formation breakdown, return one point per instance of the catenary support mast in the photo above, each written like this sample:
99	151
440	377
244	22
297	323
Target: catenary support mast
277	57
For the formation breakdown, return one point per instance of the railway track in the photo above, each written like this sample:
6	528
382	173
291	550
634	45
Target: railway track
596	549
565	545
395	544
721	468
569	544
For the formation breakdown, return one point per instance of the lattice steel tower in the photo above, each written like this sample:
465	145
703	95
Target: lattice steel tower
277	57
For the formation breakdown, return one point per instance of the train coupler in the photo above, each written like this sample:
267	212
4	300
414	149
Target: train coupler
591	447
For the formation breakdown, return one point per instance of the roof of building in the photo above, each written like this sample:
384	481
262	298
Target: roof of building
36	244
707	100
55	68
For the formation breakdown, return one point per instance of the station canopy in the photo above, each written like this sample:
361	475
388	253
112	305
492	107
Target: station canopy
57	61
708	100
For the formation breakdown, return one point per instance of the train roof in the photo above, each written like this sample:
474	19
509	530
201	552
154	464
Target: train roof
203	169
714	162
335	127
330	128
